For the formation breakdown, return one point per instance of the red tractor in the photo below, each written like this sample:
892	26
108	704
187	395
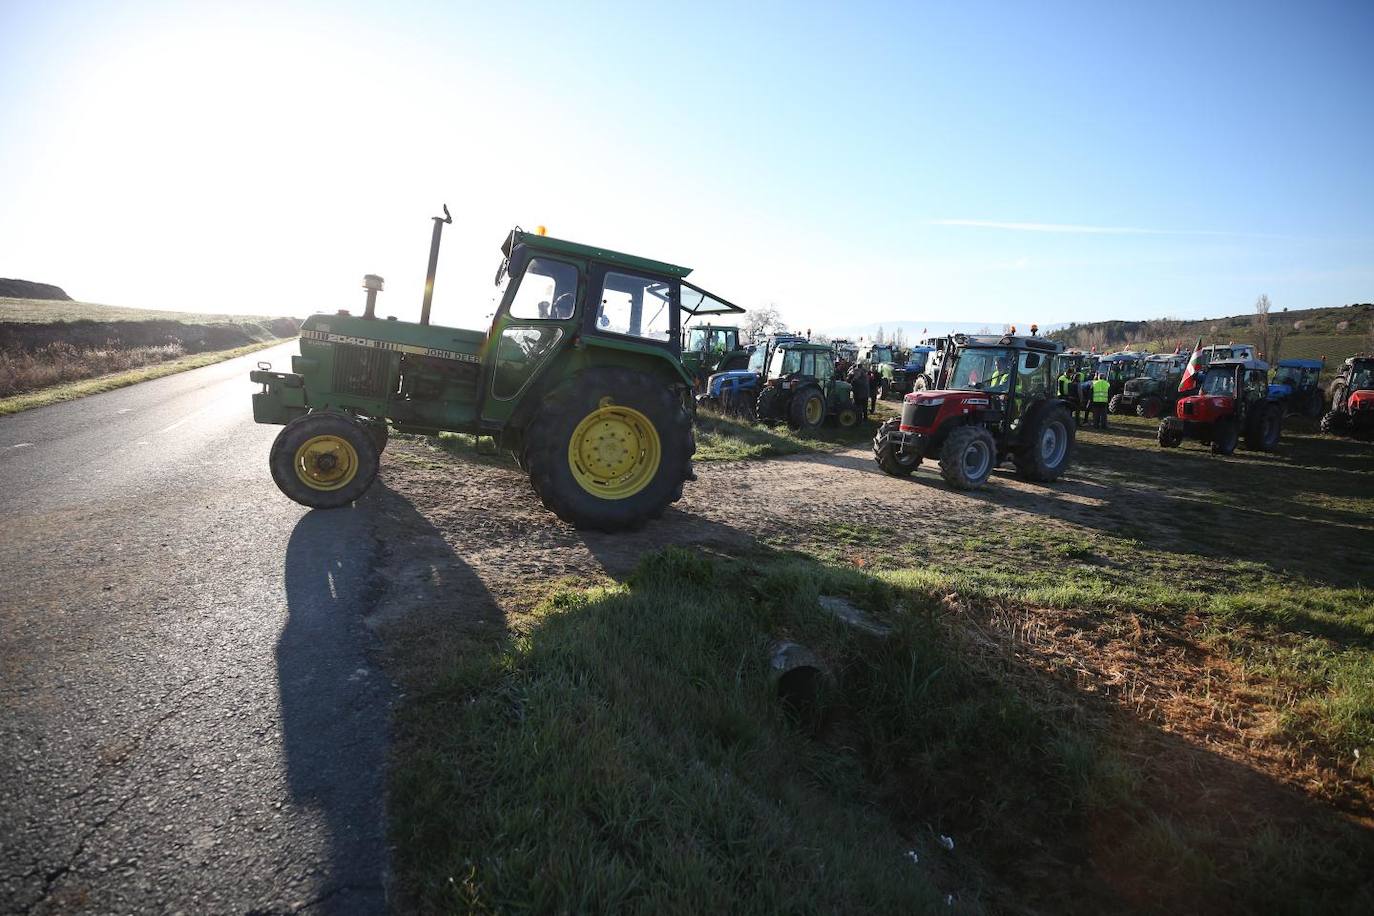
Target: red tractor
1352	400
1232	398
997	402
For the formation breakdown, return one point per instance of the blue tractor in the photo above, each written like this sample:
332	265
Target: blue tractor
1297	386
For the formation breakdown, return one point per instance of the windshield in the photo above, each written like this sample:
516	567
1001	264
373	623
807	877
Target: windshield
1220	382
758	359
714	340
785	362
1361	379
918	360
981	369
1156	370
1288	375
880	355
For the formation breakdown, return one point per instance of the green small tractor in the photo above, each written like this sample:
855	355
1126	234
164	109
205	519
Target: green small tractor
797	385
1154	392
579	377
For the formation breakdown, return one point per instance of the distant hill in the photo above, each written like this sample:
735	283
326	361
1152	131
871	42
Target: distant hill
1334	333
27	289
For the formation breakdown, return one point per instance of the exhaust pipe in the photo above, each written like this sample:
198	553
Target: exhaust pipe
439	222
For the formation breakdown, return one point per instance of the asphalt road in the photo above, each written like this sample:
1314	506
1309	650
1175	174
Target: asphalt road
189	721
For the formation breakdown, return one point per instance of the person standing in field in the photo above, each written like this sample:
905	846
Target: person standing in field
1101	392
858	378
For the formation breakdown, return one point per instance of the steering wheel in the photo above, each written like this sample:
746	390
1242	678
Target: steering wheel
555	309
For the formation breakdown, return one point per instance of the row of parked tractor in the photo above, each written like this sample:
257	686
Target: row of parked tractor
595	359
972	402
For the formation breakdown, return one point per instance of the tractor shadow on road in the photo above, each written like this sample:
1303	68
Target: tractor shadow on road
335	703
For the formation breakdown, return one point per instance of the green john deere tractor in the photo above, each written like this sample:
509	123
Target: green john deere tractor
579	377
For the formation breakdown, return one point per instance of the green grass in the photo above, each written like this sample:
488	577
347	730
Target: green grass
81	389
623	748
722	438
40	311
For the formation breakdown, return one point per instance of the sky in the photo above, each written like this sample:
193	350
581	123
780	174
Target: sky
850	163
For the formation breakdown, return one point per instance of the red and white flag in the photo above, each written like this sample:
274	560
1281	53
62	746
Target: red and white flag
1190	374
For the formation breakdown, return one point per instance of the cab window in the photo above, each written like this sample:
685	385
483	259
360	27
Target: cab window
548	290
825	367
635	306
1032	379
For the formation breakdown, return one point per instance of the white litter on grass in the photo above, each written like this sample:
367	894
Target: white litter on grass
911	854
947	842
949	900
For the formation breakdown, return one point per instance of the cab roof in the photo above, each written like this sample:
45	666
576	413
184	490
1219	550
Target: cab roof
1243	363
1041	344
538	242
695	300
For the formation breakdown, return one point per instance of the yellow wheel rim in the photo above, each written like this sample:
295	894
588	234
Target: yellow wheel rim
815	410
614	452
326	463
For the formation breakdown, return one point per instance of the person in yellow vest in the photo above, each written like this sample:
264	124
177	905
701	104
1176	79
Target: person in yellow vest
1064	383
1102	390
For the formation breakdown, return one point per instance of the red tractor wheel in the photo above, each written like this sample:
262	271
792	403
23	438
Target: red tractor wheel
1225	436
968	457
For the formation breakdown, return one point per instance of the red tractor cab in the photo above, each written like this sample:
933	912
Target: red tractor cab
1232	399
997	402
1352	400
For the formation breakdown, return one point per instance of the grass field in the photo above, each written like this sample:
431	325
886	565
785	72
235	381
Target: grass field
54	350
39	311
1148	687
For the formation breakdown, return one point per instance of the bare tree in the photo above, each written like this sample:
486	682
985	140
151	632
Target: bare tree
764	320
1270	334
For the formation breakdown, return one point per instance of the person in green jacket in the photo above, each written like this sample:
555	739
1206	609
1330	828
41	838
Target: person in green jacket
1102	390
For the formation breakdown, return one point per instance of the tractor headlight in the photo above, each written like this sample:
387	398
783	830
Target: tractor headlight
932	402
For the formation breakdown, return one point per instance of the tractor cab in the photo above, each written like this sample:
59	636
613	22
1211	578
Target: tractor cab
1352	400
712	348
1231	400
1297	386
997	401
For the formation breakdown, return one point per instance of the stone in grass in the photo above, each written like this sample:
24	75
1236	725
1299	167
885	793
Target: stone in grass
843	611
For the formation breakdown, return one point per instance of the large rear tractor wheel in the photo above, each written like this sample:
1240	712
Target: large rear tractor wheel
1265	426
1225	436
610	449
889	457
1150	407
1169	436
1046	445
807	410
1334	422
1114	405
922	383
968	457
324	460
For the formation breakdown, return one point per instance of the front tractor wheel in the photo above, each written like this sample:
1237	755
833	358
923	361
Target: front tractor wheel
610	449
1334	423
889	455
1169	436
324	460
1114	405
1150	407
847	417
807	410
1225	436
1046	445
968	457
1265	426
922	383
